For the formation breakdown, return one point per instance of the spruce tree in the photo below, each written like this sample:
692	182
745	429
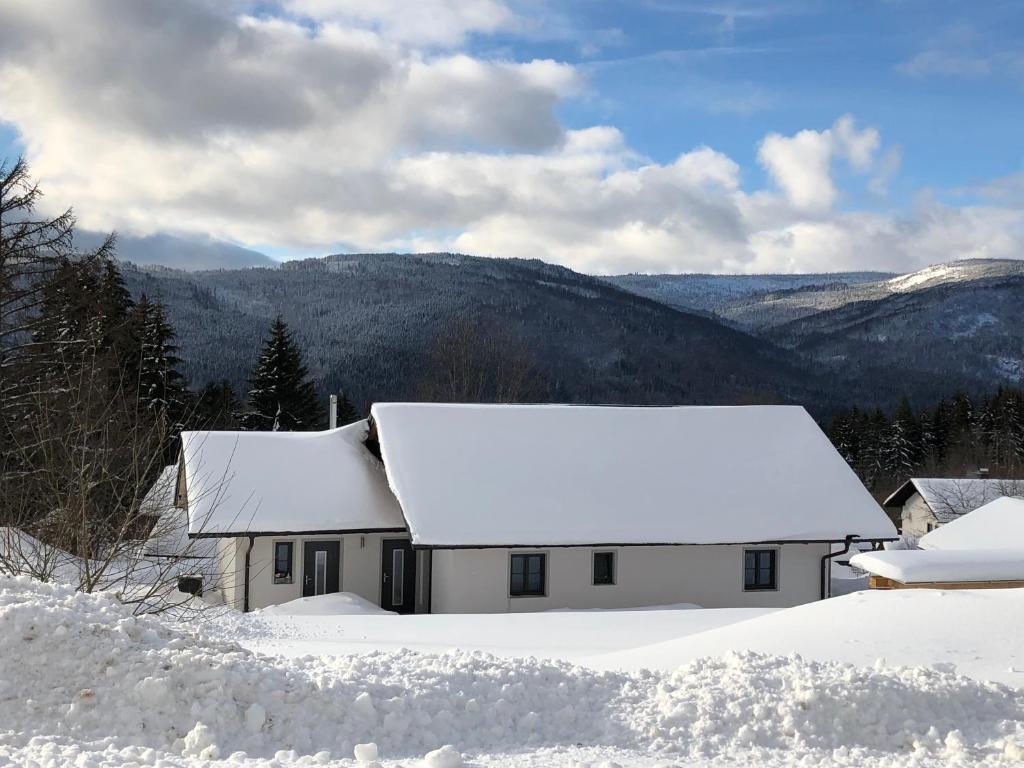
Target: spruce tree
217	407
161	385
280	396
346	411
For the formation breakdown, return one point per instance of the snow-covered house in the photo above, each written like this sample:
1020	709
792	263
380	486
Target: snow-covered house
996	525
982	549
493	508
925	503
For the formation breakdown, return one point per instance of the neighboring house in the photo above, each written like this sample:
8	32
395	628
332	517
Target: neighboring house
496	508
925	503
996	525
982	549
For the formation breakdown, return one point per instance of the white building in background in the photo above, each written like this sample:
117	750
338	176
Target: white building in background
925	503
497	508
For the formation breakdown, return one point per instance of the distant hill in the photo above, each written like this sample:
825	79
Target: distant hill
948	325
368	323
710	294
189	253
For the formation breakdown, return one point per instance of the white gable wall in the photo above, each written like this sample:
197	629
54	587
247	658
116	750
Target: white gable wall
917	516
477	580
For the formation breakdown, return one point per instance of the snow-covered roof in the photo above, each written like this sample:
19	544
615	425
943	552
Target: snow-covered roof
285	482
951	497
523	475
919	566
996	525
160	496
169	536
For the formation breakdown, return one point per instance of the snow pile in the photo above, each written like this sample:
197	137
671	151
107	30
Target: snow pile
80	675
765	704
335	604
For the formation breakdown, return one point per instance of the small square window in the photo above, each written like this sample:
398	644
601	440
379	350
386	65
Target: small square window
527	575
759	569
283	562
604	568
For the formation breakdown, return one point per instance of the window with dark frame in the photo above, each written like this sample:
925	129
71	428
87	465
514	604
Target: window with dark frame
604	568
283	562
759	569
526	577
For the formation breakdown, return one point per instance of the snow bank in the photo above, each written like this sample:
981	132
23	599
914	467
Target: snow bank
80	678
336	604
917	566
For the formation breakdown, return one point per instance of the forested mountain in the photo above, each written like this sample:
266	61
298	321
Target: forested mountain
718	294
388	326
922	334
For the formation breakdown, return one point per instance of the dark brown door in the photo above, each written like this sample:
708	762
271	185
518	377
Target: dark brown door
398	576
320	567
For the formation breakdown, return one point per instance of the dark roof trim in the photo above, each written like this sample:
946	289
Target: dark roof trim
243	534
899	497
650	544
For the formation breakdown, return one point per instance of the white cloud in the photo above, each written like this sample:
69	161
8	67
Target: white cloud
419	22
176	117
802	164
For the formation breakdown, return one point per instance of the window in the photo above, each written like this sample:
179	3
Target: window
931	527
604	567
759	569
527	576
282	562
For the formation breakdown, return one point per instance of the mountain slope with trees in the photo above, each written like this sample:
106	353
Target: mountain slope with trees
386	327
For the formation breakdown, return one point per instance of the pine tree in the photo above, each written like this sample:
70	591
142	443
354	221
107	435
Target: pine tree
161	385
217	407
901	449
280	396
346	411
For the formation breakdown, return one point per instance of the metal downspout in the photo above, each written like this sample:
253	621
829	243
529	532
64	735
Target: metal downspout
825	591
245	604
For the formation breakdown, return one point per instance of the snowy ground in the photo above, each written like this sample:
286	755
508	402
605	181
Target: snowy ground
83	683
565	635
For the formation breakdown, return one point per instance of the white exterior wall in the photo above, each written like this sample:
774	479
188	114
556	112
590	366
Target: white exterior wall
359	566
477	580
917	516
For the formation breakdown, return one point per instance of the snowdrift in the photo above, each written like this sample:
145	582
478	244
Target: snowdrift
335	604
79	675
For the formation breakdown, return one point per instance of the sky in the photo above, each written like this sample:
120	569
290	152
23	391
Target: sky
611	137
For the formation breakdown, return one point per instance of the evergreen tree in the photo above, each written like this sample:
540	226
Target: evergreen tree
217	407
346	411
280	396
161	385
901	449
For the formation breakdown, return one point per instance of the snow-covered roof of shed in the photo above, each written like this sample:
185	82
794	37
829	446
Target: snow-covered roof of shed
996	525
919	566
160	496
952	497
286	482
536	475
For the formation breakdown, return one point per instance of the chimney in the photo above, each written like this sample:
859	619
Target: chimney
982	473
334	412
